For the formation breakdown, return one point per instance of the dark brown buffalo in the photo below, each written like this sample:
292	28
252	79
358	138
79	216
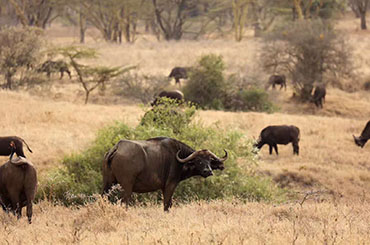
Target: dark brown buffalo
364	137
18	185
155	164
50	66
318	96
179	73
281	134
5	149
277	80
174	94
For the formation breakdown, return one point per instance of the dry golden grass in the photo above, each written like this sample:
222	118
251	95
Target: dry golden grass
57	123
53	129
217	222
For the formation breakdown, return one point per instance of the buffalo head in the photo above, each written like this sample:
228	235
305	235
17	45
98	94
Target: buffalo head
359	141
203	161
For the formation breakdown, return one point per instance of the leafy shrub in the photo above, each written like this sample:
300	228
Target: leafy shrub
253	99
81	176
206	85
169	115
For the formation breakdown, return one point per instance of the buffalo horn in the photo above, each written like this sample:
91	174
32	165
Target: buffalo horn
225	157
18	160
191	156
220	159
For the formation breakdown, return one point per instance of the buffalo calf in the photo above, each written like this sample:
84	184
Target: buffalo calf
18	184
281	134
364	137
5	146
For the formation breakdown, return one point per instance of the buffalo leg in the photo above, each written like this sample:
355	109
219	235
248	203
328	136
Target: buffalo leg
270	149
126	184
29	211
295	148
276	149
167	196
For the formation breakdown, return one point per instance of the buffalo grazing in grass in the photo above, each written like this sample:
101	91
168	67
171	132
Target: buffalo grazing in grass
279	134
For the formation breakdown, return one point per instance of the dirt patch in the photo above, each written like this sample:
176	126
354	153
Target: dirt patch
290	179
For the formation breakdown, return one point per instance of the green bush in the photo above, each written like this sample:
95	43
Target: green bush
209	88
253	99
168	114
206	85
81	176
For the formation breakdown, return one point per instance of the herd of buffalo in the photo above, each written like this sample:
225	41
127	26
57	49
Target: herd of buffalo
159	163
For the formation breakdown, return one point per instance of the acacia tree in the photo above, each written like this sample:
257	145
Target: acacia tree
90	77
19	47
307	50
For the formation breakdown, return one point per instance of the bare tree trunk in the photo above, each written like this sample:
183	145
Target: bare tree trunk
82	22
298	9
87	96
363	20
8	77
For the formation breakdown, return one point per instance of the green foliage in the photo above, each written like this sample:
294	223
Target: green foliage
208	87
90	77
252	99
168	115
81	176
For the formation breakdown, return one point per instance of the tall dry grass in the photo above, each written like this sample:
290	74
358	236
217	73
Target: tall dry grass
217	222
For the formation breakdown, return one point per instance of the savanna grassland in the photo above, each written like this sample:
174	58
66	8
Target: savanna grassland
330	179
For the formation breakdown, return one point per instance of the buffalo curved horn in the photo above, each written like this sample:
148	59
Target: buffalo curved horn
191	156
224	158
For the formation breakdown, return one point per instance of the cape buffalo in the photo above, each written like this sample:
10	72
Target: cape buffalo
364	137
50	66
174	94
277	80
281	134
318	96
157	163
18	184
5	149
178	73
